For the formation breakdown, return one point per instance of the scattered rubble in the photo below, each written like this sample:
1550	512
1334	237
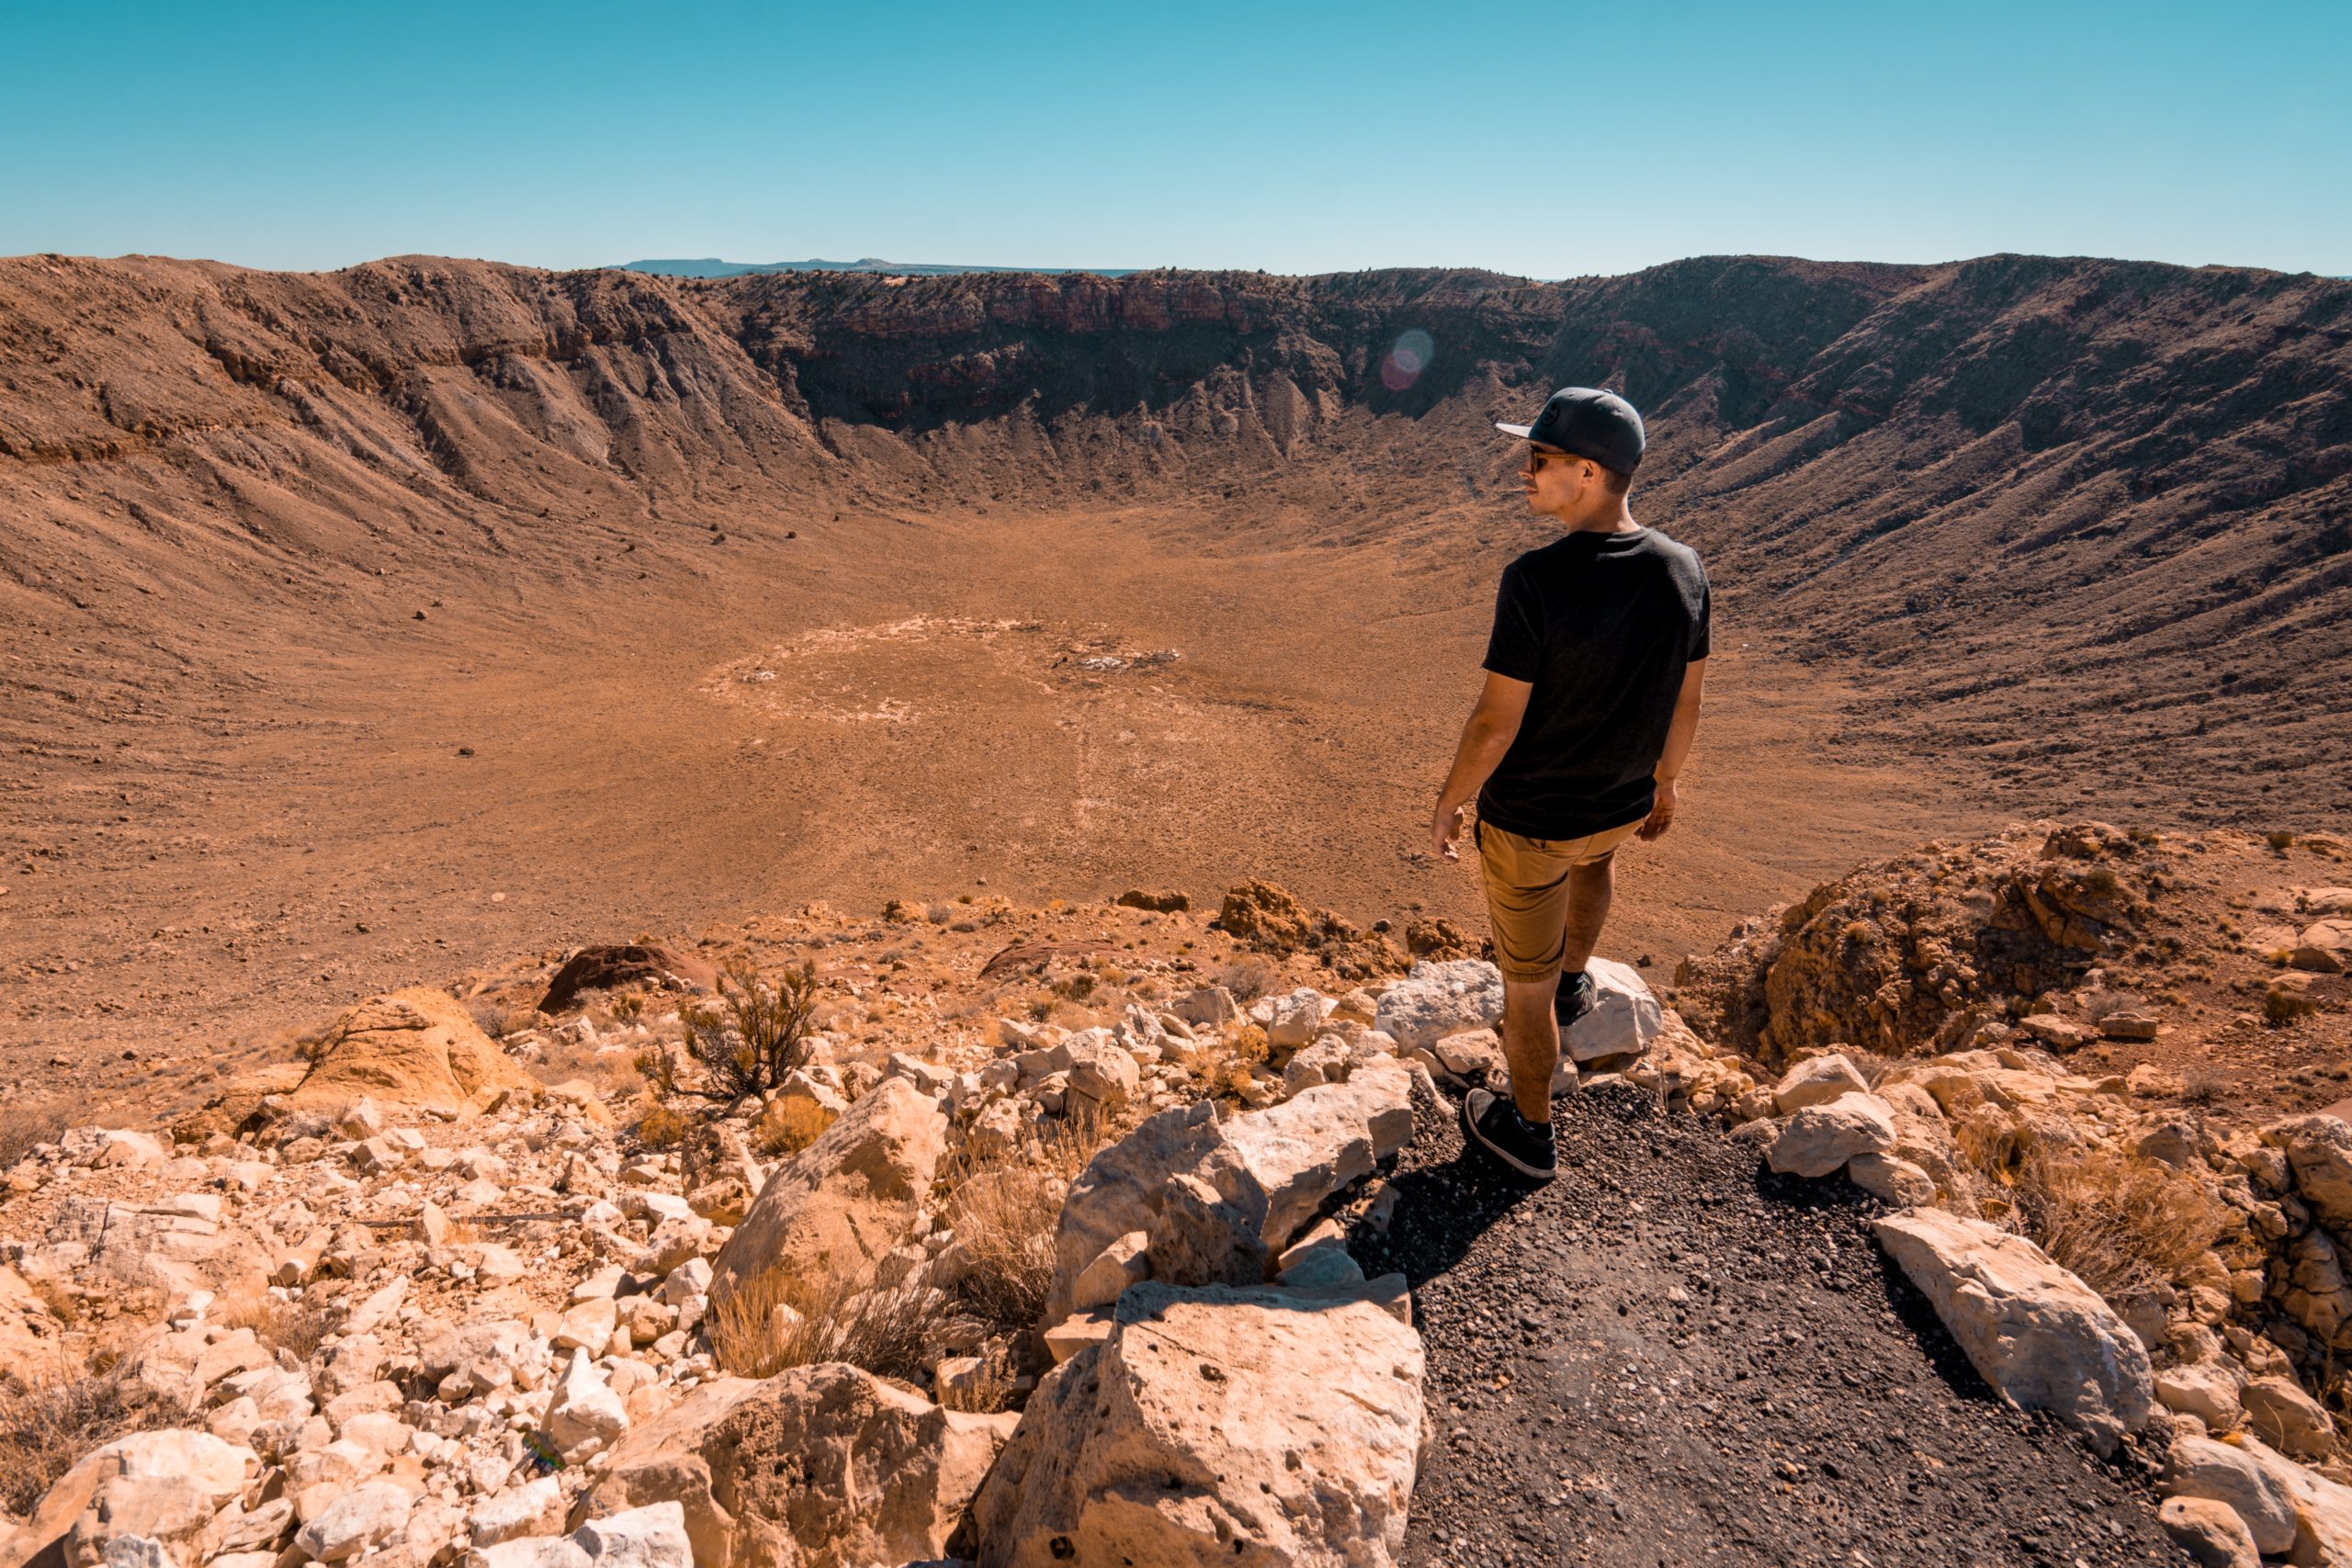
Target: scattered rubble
1085	1273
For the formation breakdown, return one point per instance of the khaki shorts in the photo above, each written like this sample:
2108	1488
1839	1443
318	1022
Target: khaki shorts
1527	894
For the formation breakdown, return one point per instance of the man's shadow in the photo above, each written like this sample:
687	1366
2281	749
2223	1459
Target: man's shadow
1447	1196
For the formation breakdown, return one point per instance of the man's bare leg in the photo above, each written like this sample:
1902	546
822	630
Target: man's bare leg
1530	1033
1530	1045
1591	887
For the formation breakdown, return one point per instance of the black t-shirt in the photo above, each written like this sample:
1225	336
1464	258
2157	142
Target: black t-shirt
1604	627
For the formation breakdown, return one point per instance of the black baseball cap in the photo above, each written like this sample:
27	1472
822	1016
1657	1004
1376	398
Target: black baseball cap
1589	422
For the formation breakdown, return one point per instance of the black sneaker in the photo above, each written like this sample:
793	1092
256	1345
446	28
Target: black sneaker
1573	1000
1495	1125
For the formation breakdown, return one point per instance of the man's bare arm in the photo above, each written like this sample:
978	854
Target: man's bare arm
1493	726
1678	749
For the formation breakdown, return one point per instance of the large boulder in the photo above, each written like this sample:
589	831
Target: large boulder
1274	1168
585	1416
2042	1337
666	1458
1304	1149
2319	1149
651	1536
1924	1139
2288	1419
359	1518
1101	1074
1120	1191
611	966
161	1485
2322	1508
1624	1018
1820	1138
415	1048
1817	1080
2211	1533
2324	947
823	1466
2229	1473
845	1200
30	1331
1435	999
1252	1427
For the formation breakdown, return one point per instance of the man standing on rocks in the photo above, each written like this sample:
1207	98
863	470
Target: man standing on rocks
1593	672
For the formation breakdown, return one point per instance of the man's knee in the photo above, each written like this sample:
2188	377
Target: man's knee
1530	996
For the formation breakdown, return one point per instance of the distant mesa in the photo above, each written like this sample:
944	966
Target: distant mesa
711	266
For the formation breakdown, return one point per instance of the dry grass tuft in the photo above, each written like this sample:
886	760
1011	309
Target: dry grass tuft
23	1131
789	1125
281	1325
1002	1213
1247	978
660	1128
2281	1007
778	1319
2124	1224
49	1423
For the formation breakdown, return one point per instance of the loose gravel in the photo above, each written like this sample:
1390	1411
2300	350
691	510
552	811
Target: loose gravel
1671	1356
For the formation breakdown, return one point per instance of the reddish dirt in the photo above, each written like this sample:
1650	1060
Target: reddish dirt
1987	538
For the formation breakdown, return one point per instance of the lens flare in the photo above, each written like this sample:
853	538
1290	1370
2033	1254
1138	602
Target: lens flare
1407	360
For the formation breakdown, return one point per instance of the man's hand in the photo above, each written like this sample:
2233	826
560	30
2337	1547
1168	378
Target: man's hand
1445	826
1661	815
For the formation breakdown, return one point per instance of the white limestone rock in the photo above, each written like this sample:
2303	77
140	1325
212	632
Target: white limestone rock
1438	998
1624	1018
2042	1337
1210	1416
651	1536
1821	1138
1816	1080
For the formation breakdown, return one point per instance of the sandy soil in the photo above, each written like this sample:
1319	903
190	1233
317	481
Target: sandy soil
931	728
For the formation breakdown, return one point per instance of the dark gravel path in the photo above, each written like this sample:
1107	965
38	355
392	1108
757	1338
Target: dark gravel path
1671	1356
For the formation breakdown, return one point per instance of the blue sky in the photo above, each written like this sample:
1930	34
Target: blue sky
1549	141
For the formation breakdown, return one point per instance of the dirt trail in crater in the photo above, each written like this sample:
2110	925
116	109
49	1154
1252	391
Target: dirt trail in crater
1670	1355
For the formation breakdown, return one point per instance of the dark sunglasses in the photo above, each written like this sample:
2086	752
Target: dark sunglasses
1536	459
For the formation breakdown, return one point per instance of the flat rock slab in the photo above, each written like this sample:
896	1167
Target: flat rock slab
1800	1404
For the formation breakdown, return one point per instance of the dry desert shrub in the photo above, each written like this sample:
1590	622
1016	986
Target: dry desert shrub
779	1319
2100	1006
2281	1007
1226	1069
660	1128
789	1125
23	1131
2123	1224
1003	1211
490	1016
745	1045
281	1325
49	1422
1247	978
